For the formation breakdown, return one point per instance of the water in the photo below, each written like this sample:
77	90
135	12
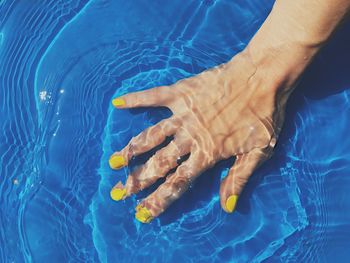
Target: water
61	63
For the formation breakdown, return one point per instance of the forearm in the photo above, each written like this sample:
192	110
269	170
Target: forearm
292	35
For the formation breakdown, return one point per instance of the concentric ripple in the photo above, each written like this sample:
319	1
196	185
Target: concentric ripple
61	63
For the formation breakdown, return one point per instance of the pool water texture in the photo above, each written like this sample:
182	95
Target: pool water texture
62	62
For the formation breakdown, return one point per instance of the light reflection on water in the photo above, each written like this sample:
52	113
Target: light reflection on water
59	209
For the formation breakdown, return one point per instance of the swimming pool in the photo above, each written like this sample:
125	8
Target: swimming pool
61	63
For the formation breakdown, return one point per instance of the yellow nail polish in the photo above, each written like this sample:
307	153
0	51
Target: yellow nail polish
117	194
117	161
231	203
118	102
143	214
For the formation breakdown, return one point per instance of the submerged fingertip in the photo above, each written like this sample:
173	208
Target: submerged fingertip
230	203
143	214
117	161
118	102
117	194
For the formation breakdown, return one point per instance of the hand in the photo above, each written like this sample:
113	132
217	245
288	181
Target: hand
236	109
230	110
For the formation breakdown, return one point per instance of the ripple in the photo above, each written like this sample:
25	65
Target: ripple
21	145
63	61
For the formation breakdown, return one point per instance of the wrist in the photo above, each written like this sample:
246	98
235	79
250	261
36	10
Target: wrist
290	37
273	69
279	53
281	64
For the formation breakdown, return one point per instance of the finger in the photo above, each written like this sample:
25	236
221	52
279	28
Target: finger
174	186
158	96
156	167
232	186
144	142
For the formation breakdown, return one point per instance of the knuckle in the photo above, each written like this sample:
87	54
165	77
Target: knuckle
185	172
162	161
241	180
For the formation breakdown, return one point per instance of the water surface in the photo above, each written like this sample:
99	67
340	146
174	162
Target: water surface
61	63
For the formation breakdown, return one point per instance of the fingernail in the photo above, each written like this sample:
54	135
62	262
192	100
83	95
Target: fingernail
143	214
231	203
116	162
117	194
118	102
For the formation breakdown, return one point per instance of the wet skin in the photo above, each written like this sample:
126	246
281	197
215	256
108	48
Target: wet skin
236	109
220	113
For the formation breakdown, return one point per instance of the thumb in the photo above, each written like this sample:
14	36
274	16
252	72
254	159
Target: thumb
232	186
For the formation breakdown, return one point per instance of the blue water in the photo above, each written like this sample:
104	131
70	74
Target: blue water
61	63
